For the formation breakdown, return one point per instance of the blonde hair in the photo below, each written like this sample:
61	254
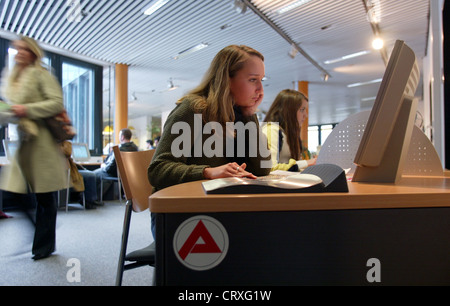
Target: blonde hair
37	52
212	97
284	111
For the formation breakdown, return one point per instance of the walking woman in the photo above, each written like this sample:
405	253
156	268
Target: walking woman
38	167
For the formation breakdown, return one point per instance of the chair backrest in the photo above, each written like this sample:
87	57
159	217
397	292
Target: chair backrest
132	167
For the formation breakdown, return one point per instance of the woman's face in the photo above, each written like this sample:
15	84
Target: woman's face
246	86
24	55
302	112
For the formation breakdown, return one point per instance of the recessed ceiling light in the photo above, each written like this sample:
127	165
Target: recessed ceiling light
364	83
292	6
190	50
368	99
154	6
346	57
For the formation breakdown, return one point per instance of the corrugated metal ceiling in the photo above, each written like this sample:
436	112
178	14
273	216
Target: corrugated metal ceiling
118	32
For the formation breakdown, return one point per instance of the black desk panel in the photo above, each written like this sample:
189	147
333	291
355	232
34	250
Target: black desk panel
328	247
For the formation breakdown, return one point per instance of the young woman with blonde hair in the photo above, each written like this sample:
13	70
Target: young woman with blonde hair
231	91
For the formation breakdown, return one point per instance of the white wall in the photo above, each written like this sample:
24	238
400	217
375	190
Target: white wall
433	108
140	133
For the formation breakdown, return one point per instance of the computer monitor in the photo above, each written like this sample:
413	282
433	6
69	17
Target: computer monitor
10	148
385	142
80	152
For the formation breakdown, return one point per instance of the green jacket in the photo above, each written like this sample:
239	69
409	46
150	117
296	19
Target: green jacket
39	162
166	169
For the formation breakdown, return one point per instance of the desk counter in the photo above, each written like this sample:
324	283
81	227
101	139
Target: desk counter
375	234
410	192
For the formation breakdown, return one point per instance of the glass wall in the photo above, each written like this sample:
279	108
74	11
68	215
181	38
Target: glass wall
82	89
317	134
78	89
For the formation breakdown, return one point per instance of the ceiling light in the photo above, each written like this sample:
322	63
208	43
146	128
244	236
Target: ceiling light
293	52
154	6
374	11
240	7
170	85
190	50
292	6
377	43
368	99
346	57
364	83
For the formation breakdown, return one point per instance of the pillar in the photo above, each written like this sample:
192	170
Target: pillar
303	88
121	104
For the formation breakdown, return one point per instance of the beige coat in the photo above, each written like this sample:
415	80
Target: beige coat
39	162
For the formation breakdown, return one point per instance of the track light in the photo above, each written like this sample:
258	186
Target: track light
170	85
240	7
377	43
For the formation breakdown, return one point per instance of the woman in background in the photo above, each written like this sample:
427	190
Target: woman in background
38	167
282	129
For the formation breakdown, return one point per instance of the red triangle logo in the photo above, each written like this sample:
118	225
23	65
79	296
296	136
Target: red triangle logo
191	244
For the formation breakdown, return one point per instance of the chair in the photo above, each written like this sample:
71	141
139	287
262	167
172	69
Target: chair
68	193
132	167
113	179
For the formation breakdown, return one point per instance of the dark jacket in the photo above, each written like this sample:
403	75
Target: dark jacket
110	161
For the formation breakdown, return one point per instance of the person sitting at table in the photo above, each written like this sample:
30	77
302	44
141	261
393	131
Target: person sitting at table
282	127
92	179
230	92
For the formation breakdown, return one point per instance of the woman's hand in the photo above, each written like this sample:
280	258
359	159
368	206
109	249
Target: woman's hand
19	110
227	170
312	161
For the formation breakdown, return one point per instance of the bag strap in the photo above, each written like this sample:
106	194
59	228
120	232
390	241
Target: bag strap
280	142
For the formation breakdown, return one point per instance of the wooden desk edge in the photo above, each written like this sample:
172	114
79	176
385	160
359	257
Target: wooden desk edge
189	197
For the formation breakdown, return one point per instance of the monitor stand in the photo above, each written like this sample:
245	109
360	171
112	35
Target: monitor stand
391	167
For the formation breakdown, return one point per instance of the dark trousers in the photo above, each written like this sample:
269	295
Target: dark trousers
45	233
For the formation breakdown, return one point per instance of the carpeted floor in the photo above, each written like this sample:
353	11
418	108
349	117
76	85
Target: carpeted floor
85	239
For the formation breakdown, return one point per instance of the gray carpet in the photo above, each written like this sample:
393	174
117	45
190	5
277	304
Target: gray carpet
92	237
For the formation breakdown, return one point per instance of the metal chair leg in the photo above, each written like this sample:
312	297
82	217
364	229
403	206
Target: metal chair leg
123	248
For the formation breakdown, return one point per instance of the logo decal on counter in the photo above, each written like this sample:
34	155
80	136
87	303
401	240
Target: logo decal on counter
200	243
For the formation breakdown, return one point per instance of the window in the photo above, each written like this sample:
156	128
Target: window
82	92
313	138
317	134
325	131
78	89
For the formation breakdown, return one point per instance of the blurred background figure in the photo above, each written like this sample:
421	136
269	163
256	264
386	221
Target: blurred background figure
38	167
149	144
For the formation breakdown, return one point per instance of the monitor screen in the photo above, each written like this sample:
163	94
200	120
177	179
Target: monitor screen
385	142
10	148
80	152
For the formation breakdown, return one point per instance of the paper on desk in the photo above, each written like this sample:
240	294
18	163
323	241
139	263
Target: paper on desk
282	173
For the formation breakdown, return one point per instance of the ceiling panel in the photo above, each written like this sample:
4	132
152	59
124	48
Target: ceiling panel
117	31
